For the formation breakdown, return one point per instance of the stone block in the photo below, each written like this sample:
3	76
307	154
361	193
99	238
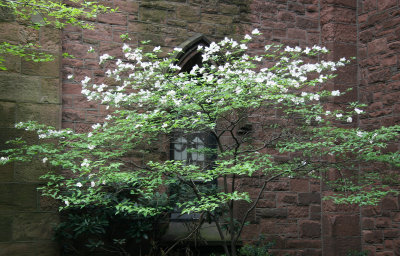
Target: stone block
372	236
339	32
100	33
381	75
267	201
33	226
296	8
42	248
299	185
78	50
30	172
152	15
386	4
303	243
341	225
287	198
278	186
6	15
268	226
298	212
216	19
368	223
45	69
127	6
347	3
9	31
331	14
273	213
383	222
7	114
5	228
50	39
377	46
48	204
12	63
286	16
229	9
310	229
390	203
391	233
43	113
341	245
7	172
7	134
19	88
295	33
51	91
288	230
306	23
309	198
18	196
188	13
113	18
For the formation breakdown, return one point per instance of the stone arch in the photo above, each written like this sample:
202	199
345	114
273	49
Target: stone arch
189	56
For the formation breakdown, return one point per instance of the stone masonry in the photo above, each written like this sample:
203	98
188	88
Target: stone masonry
28	91
291	211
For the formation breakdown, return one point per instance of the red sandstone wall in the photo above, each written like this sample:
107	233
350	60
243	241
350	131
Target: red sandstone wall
379	50
291	211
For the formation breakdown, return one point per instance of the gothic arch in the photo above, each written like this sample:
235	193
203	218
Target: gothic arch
189	56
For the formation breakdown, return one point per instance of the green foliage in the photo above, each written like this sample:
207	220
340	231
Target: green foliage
118	166
39	13
357	253
57	14
27	51
260	248
87	229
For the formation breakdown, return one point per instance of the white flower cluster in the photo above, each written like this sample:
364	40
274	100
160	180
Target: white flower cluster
44	134
104	57
4	160
210	51
147	82
85	163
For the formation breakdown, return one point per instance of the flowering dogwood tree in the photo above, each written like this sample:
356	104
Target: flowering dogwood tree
228	97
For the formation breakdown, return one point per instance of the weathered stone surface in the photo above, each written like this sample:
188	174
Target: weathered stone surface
187	13
310	229
153	15
273	213
341	245
7	114
373	236
18	196
45	69
309	198
40	248
44	113
29	172
5	228
299	185
341	225
9	31
18	88
34	226
50	91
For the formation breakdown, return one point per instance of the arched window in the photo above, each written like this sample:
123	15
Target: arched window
190	147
